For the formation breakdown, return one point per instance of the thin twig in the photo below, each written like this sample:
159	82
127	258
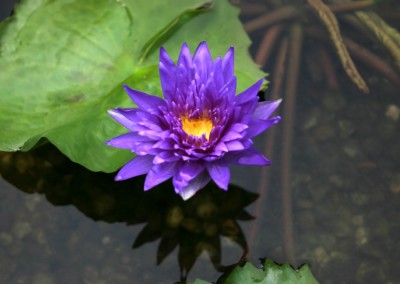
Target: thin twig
363	55
281	14
345	7
372	60
379	28
291	12
278	76
327	66
267	44
355	23
329	19
252	9
296	39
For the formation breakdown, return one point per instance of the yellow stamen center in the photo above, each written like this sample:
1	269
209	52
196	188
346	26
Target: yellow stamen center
197	127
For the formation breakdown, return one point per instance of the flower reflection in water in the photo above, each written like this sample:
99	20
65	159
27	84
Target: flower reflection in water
193	227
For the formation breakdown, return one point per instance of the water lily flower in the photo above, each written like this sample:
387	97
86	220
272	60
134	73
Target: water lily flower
198	129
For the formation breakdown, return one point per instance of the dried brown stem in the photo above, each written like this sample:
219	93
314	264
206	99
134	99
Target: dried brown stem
344	7
296	39
279	71
281	14
291	12
278	76
252	9
363	55
267	44
355	23
327	66
372	60
329	19
384	33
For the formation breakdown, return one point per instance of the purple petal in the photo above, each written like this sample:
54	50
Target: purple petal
144	101
256	126
145	148
194	185
126	117
127	141
217	73
167	74
165	156
228	64
265	109
249	95
164	145
136	119
221	147
231	135
154	135
185	59
228	91
234	145
150	121
238	127
219	172
135	167
203	62
158	174
187	172
250	156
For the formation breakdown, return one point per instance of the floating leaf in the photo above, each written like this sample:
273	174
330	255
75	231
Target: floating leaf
64	62
271	273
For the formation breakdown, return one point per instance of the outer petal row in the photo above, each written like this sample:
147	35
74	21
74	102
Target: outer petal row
202	63
194	185
167	74
219	172
144	101
265	109
135	167
248	157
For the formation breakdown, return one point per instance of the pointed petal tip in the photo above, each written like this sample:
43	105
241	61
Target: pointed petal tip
111	111
147	186
202	56
185	196
126	87
187	191
277	102
119	178
203	44
220	174
165	59
261	81
267	162
224	188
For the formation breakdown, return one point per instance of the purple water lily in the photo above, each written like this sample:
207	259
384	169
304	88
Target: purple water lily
200	127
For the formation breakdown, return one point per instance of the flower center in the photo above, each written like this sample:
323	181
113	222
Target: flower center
197	127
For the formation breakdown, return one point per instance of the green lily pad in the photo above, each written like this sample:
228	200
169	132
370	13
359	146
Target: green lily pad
63	64
270	273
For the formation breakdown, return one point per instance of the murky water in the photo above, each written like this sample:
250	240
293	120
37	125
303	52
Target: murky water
60	223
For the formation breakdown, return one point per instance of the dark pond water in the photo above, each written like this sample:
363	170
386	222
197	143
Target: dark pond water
60	223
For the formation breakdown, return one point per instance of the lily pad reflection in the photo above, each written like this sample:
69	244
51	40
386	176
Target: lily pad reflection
194	226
